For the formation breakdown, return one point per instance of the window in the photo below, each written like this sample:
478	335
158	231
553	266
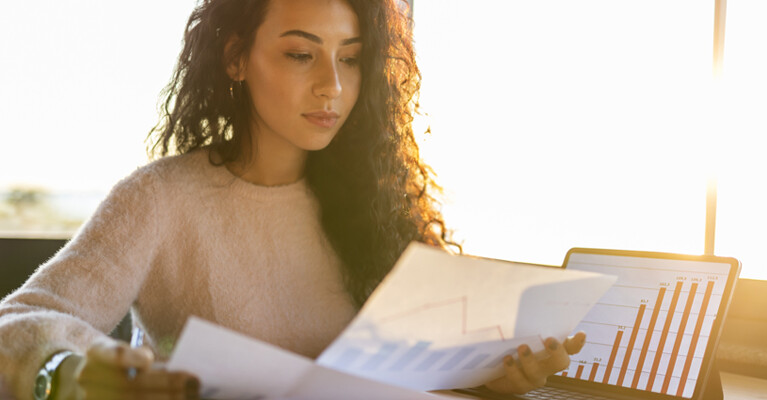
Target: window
593	123
555	123
80	85
742	200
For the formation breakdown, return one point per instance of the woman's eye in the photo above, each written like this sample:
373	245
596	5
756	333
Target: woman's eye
299	57
351	61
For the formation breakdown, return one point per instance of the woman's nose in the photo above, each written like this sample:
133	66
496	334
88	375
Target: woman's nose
328	83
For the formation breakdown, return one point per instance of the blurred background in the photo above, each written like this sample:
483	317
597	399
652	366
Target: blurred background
554	124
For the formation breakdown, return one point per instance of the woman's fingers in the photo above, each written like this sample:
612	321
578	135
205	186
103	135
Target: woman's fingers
164	380
535	370
557	358
575	343
514	381
531	371
120	354
99	374
110	378
105	375
97	393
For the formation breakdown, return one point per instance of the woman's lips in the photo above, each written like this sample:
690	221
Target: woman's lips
325	119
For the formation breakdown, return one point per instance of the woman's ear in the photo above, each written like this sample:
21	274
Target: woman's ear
235	64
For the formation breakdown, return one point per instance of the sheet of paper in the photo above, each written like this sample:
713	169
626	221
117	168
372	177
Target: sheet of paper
323	383
233	366
439	321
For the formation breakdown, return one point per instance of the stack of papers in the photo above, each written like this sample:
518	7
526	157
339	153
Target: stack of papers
437	321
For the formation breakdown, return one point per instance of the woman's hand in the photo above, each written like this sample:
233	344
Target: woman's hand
103	373
529	372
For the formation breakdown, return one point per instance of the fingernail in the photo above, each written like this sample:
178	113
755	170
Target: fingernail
526	351
509	360
553	345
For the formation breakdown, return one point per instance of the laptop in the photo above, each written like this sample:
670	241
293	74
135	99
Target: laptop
653	335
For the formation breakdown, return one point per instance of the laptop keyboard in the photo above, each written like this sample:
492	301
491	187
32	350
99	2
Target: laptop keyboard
551	393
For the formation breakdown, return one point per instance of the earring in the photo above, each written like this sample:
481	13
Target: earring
231	89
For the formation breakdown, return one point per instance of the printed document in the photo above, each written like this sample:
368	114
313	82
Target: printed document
437	321
442	322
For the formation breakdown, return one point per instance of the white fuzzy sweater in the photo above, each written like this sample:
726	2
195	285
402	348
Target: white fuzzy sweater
176	238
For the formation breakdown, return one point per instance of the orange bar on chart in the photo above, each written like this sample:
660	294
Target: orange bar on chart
613	353
648	337
630	348
664	335
679	337
695	337
579	372
594	369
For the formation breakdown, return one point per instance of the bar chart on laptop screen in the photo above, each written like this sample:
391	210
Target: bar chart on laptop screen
650	330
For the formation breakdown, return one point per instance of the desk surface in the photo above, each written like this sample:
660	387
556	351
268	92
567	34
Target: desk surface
739	387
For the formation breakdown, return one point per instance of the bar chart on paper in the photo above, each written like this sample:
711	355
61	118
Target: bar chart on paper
391	357
422	362
650	330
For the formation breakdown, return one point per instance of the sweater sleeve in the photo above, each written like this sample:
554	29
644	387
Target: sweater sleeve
81	293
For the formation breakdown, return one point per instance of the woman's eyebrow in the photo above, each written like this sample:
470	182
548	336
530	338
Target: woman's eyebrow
316	39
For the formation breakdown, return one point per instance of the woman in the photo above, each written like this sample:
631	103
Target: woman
296	186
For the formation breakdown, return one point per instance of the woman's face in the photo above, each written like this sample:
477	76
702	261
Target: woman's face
303	72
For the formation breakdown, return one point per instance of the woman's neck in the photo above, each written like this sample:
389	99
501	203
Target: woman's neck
269	161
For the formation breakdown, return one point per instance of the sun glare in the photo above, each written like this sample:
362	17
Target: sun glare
555	123
558	124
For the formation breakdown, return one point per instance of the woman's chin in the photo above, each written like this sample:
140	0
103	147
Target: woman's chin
317	143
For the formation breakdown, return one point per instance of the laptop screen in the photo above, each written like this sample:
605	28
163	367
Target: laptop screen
655	330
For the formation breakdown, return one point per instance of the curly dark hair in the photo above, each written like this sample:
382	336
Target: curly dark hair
375	193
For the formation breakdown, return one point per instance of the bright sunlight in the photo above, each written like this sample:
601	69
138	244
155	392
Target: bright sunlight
555	123
559	124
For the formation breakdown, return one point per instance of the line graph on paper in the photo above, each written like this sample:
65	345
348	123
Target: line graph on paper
457	305
650	330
